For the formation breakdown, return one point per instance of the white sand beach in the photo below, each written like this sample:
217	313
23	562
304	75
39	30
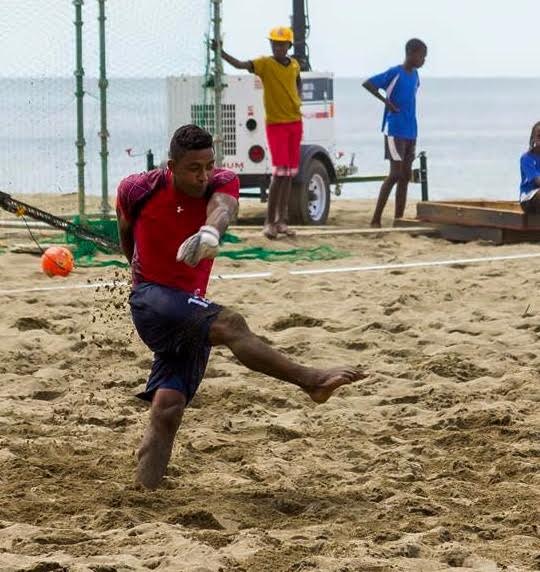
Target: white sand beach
429	464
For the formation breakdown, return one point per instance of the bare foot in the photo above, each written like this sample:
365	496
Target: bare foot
269	230
374	224
282	228
153	460
320	384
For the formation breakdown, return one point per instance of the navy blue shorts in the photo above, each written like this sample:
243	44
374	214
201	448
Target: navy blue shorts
175	326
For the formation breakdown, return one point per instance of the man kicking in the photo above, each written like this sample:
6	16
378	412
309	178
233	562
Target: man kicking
170	223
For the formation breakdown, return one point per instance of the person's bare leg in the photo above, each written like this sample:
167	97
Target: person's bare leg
274	194
230	329
384	193
156	447
401	198
401	190
282	226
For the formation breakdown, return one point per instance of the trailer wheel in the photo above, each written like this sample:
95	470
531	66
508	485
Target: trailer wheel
309	203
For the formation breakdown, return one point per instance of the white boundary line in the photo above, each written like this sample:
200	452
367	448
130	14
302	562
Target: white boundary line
66	287
404	265
307	272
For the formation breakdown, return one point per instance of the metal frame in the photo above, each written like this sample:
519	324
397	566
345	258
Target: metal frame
419	176
79	94
218	84
103	133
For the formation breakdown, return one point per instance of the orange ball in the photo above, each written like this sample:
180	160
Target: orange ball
57	261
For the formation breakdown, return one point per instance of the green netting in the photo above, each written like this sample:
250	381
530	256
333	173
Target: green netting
146	43
106	227
230	238
85	260
322	252
88	261
84	251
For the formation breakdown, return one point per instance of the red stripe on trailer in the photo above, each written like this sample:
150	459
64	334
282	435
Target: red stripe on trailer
318	115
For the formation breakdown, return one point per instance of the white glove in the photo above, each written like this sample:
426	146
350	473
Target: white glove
203	244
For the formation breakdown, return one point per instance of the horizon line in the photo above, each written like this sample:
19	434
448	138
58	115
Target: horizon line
424	76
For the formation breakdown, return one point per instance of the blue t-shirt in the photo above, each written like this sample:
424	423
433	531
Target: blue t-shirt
400	87
530	170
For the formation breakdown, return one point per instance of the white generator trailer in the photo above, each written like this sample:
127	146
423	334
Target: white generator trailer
244	146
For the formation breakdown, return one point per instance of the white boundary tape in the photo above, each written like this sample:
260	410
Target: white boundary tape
404	265
307	272
91	285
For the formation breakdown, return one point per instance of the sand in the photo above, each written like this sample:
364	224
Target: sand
430	464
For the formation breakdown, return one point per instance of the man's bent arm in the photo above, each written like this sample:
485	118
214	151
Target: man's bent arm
238	64
374	91
221	210
125	232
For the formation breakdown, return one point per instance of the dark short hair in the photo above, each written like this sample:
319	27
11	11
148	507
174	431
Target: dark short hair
415	45
531	138
189	138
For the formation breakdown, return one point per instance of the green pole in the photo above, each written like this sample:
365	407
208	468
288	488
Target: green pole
218	85
79	94
424	176
104	133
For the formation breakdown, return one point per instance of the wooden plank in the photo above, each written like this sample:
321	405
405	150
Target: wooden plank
498	205
514	236
465	214
411	222
459	233
308	231
32	248
29	224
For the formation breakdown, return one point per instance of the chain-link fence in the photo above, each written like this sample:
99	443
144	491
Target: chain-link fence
146	42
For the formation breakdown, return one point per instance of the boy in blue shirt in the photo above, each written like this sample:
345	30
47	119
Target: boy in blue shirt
400	84
529	190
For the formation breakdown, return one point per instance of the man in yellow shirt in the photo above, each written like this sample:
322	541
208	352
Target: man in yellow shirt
280	76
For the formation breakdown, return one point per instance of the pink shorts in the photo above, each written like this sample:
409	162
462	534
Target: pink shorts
284	142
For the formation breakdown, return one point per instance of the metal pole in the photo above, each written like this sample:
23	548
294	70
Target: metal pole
424	175
150	160
79	94
104	133
218	85
299	25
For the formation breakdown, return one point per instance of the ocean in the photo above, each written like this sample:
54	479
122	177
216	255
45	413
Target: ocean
473	131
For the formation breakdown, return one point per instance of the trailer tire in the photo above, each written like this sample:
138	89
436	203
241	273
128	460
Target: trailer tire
309	202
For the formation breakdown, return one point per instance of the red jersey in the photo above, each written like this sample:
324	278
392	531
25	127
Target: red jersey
162	218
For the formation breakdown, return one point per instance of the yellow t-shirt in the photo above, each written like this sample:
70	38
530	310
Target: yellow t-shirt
281	100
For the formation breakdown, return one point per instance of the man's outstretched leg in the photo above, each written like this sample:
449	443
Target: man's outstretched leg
155	451
230	329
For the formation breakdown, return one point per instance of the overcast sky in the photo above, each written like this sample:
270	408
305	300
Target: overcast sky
348	37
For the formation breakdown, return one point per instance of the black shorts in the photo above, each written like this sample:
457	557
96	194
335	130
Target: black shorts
396	149
530	205
175	326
